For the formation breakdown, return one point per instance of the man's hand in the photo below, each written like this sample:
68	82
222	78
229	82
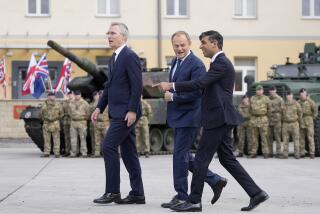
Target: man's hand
94	115
168	96
130	118
165	86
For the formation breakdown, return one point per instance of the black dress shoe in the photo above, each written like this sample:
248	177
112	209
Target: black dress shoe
132	199
187	207
256	200
217	189
108	198
172	203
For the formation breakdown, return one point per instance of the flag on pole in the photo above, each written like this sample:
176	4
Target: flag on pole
3	77
64	77
41	75
28	85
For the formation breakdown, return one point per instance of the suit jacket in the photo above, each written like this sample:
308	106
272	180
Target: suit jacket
218	82
185	109
124	86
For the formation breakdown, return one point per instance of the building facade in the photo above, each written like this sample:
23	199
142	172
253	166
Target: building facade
257	33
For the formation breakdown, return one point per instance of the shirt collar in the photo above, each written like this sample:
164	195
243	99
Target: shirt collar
215	56
119	49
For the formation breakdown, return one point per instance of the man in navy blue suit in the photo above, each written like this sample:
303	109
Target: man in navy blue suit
122	95
219	116
184	116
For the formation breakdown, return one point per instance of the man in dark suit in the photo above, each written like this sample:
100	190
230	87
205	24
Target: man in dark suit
219	116
184	116
122	95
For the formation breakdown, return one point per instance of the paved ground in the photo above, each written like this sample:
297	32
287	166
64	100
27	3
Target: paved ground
29	184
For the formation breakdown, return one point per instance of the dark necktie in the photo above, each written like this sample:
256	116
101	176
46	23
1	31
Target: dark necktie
177	68
112	61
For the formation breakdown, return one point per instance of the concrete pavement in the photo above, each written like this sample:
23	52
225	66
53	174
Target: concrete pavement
30	184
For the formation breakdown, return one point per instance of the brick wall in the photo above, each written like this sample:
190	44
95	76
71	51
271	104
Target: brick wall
11	127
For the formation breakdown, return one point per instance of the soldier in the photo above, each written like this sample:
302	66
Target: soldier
92	107
309	113
276	105
66	123
291	116
142	129
100	127
259	109
79	113
51	112
243	129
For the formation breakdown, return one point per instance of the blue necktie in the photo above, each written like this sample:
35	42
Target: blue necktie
177	68
112	61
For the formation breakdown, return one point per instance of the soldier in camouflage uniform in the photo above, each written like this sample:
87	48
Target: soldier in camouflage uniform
67	122
309	114
291	117
51	112
79	113
142	129
92	107
276	106
243	129
259	110
100	128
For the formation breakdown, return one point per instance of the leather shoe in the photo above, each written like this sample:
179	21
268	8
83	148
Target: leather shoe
187	207
172	203
256	200
217	189
133	199
108	198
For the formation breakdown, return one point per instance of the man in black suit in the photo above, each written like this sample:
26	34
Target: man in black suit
219	116
184	116
122	95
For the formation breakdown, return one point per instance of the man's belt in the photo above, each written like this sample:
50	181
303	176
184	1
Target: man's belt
259	115
78	119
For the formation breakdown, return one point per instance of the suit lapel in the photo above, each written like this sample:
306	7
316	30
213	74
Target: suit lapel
171	70
117	63
183	65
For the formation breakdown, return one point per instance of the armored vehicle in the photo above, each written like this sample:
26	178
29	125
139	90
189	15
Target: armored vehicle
294	76
161	137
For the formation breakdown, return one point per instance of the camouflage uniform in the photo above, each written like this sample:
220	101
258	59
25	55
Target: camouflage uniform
92	107
79	113
66	125
51	113
244	129
276	106
142	128
309	113
259	109
100	130
291	117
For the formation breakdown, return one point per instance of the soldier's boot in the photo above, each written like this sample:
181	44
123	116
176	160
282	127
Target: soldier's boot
252	156
296	156
266	156
284	156
45	155
57	155
146	154
239	155
312	156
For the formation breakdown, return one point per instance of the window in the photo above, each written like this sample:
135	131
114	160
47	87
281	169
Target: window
245	9
108	8
311	8
176	8
243	67
38	7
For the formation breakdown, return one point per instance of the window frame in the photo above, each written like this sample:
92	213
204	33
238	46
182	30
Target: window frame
108	10
311	11
244	10
38	9
176	10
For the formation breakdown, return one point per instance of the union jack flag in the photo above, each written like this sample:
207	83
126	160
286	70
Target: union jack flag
64	77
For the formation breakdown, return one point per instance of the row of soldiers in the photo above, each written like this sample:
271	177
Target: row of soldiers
75	112
268	117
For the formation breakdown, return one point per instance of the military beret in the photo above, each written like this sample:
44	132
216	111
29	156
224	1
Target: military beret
272	88
302	90
259	87
288	92
51	93
77	92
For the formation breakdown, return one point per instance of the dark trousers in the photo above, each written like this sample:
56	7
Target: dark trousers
212	140
183	161
120	135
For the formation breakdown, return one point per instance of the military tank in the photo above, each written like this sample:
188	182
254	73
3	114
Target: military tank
161	136
293	77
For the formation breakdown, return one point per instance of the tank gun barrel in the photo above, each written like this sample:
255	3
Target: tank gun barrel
84	64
